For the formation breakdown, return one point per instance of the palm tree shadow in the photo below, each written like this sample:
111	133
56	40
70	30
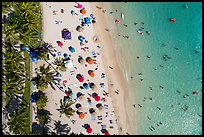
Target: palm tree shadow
14	104
43	112
60	128
36	128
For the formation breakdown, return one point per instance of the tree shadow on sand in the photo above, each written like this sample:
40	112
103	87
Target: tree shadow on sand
60	128
42	128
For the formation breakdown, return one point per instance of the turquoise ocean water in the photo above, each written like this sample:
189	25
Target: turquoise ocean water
165	93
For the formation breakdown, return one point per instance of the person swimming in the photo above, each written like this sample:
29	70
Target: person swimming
186	6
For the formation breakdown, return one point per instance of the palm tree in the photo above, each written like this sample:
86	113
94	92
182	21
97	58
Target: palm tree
20	121
44	49
41	102
14	62
43	119
9	34
60	64
65	108
44	77
24	19
7	7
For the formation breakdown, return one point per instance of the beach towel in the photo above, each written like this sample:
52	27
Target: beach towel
93	118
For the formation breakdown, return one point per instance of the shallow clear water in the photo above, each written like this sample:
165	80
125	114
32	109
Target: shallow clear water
182	72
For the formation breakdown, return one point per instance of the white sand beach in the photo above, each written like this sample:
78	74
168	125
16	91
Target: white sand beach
114	110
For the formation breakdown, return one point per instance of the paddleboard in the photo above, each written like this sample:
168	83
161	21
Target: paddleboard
122	16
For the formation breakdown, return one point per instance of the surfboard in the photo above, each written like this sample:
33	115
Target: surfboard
122	16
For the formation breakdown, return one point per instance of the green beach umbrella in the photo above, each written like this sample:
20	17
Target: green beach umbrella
86	86
72	95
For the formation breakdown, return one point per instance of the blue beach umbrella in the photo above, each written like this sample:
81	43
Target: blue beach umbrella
71	49
66	56
72	12
81	38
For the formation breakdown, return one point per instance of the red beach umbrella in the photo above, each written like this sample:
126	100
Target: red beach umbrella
60	43
97	98
106	133
81	79
89	130
67	93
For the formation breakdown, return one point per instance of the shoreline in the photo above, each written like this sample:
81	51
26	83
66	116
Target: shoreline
117	82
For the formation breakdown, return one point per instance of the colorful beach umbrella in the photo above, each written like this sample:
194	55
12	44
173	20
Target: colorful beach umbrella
81	60
89	130
91	73
91	110
86	86
60	43
66	56
83	11
89	60
94	94
79	28
79	94
106	133
78	105
80	77
81	38
99	105
72	12
71	49
67	93
79	6
81	115
97	98
92	86
72	95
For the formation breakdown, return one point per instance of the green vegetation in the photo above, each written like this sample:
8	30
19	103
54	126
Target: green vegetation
24	19
21	24
43	50
65	108
41	102
20	121
60	64
26	94
44	77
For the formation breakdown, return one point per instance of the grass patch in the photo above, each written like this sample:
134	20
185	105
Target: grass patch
26	94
